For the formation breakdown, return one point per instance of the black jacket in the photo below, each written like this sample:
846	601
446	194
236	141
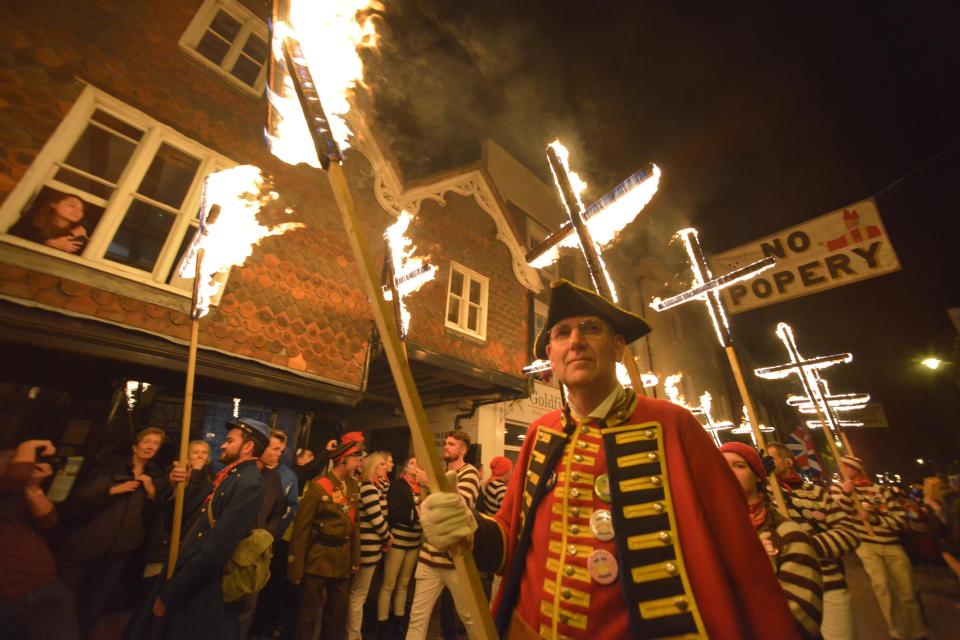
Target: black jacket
274	504
99	525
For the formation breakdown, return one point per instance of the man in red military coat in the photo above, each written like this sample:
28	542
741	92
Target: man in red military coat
621	519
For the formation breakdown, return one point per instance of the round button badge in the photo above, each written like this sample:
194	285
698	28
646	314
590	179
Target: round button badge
602	566
601	524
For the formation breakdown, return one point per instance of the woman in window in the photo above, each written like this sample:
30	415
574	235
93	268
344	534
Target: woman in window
56	222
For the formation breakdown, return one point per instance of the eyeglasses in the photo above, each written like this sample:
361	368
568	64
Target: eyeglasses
590	328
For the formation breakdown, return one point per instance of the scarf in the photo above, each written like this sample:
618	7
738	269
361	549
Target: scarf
758	513
862	482
414	485
791	480
220	478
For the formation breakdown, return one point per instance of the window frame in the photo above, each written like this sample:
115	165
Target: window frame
249	24
469	275
58	147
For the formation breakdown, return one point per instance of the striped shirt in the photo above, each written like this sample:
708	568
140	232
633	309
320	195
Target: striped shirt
887	515
373	524
798	571
403	513
831	530
468	485
492	496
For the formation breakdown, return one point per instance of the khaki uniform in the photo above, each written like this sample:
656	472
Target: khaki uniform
324	549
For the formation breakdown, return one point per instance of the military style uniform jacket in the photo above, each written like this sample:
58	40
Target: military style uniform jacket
325	540
193	597
629	526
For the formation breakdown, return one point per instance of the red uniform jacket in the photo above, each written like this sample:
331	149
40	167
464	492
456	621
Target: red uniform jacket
728	586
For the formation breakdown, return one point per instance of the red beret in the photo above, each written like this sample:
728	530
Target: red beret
500	466
750	456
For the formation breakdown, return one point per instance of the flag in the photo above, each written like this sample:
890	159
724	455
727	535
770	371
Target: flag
801	446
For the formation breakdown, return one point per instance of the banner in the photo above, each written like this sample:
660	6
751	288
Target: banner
837	248
873	416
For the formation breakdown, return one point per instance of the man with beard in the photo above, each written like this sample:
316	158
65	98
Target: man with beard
435	570
192	600
621	518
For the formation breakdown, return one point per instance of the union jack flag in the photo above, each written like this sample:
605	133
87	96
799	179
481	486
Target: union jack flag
801	445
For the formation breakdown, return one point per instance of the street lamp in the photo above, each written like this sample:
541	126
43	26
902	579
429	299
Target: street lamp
921	461
932	363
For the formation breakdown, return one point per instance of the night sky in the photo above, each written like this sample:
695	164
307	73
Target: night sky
761	116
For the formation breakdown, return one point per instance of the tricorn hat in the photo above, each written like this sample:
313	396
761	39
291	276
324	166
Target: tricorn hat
568	300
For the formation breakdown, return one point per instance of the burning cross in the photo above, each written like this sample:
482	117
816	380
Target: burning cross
707	288
816	394
592	227
713	426
404	273
746	426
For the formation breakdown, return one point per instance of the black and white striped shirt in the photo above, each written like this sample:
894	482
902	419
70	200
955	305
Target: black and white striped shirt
831	529
798	571
492	496
373	524
468	485
885	509
403	513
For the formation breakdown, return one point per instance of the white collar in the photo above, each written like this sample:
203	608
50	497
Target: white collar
602	409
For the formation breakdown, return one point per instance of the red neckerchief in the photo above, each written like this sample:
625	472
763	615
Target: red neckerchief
220	477
791	480
758	513
414	485
862	482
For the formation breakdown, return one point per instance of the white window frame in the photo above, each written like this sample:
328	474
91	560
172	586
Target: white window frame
469	275
43	169
249	22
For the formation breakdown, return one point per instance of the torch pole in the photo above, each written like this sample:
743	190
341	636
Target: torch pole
185	423
754	421
420	430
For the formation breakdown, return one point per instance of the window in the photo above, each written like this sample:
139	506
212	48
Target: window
467	301
536	234
134	185
513	437
539	319
226	36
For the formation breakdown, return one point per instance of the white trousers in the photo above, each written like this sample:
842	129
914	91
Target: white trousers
430	582
359	587
891	577
837	621
397	571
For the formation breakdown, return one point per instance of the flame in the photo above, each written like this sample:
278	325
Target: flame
229	239
649	379
133	390
671	387
816	392
410	272
537	366
745	428
330	35
718	315
713	426
608	216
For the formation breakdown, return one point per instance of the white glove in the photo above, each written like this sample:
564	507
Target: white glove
445	517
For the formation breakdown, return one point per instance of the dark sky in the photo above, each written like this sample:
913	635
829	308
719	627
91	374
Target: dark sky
760	115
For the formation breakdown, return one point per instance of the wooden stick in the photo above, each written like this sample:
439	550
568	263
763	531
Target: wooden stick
180	491
420	430
754	421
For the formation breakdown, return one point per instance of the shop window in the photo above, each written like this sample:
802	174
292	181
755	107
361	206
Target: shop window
467	301
227	37
112	189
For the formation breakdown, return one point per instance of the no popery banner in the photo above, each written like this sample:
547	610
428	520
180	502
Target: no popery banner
837	248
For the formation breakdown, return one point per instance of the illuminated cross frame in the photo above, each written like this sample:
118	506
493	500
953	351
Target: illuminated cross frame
816	393
746	427
706	288
713	426
591	227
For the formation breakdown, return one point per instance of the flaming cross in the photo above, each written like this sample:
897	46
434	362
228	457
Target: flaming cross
713	426
592	227
706	288
405	273
746	426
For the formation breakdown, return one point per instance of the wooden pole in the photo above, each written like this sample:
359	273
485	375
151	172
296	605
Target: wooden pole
180	491
754	421
420	430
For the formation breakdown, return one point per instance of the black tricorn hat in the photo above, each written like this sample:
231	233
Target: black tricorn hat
568	300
